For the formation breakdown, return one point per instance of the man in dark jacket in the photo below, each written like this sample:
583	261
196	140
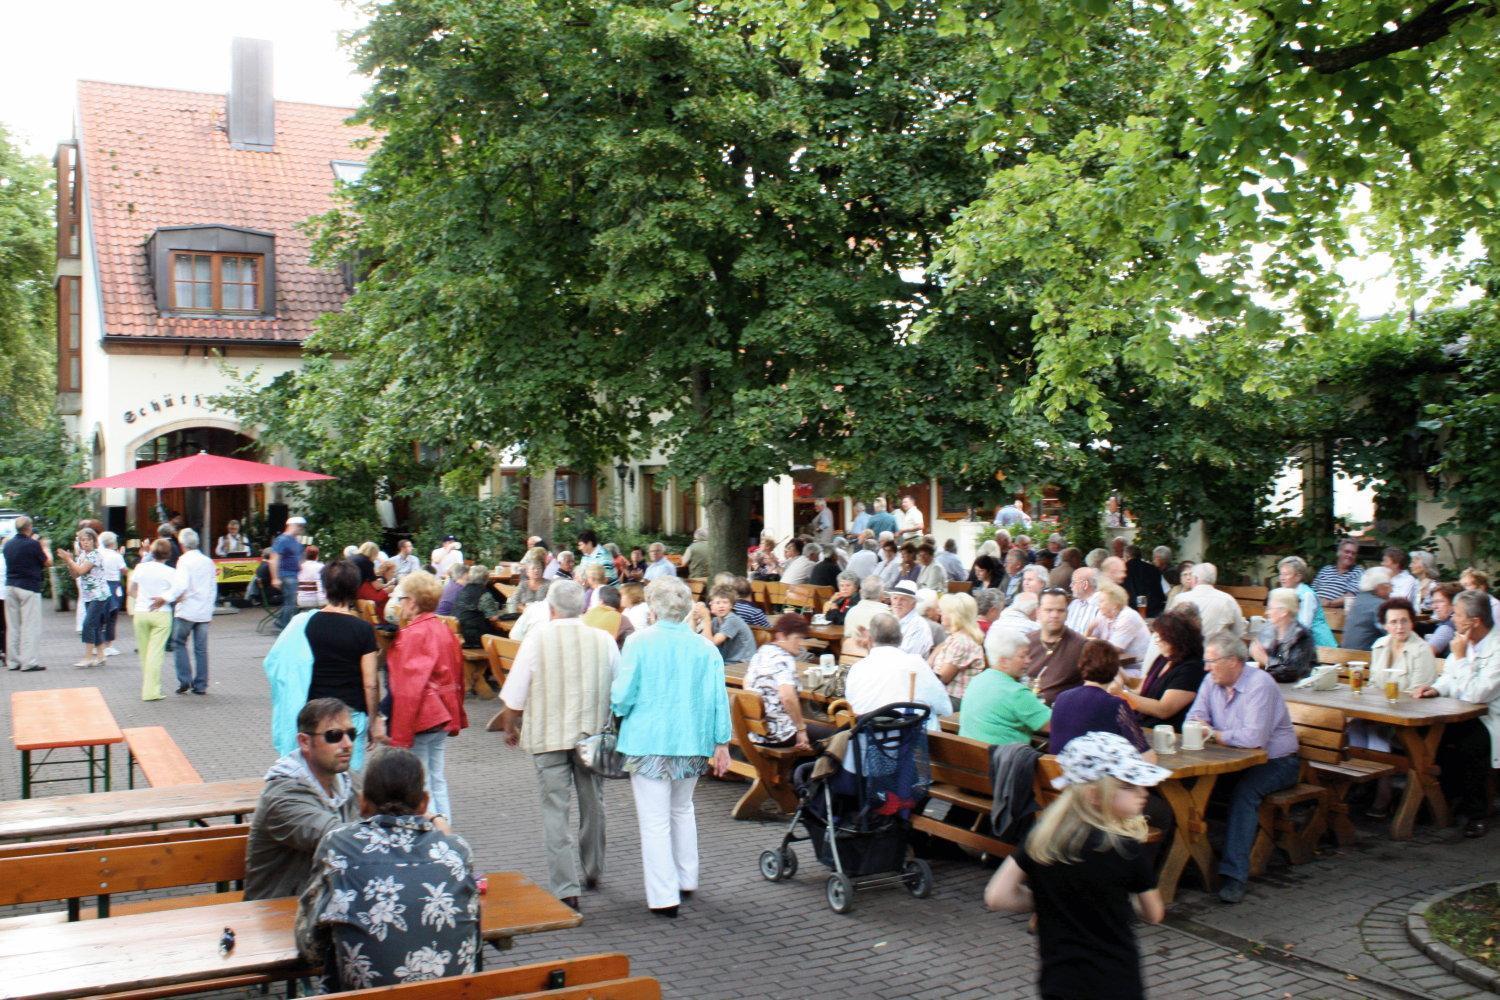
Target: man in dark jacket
308	792
1143	580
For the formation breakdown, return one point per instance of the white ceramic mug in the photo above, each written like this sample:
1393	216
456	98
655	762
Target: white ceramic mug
1164	739
826	661
1193	735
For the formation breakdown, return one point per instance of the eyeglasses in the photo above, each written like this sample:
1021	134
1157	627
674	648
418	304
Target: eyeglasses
337	736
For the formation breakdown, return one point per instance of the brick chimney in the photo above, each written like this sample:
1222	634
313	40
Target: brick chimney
251	103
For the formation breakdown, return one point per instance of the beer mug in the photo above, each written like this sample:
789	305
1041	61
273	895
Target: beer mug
1194	735
1356	677
826	662
1392	686
1163	739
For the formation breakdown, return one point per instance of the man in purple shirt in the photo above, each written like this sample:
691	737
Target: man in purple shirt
1244	708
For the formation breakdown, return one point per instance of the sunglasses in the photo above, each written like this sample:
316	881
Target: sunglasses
1056	592
336	736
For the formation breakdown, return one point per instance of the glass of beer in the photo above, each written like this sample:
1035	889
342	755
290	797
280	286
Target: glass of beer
1392	687
1356	678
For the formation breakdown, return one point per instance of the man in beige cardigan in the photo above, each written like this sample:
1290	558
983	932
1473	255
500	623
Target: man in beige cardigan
556	693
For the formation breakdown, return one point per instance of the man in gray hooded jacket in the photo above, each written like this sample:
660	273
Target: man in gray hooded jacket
308	792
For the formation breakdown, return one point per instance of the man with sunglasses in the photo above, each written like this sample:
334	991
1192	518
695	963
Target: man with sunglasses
308	792
1052	660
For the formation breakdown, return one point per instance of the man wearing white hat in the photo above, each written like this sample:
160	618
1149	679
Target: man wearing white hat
916	637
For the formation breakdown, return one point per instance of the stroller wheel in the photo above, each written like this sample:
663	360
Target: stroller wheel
772	868
840	893
918	875
789	862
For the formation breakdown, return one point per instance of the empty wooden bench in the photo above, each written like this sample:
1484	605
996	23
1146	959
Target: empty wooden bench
123	866
111	841
500	656
601	977
1322	741
161	760
961	777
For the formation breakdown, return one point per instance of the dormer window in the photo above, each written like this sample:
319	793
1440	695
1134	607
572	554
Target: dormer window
213	271
216	282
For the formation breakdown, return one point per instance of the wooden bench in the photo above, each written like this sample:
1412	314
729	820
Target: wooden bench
960	587
1280	826
102	872
605	977
452	623
1322	741
111	841
697	585
961	777
161	760
366	611
500	653
1248	593
760	594
773	765
806	598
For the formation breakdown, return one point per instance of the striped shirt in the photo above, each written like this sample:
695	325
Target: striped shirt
1331	585
561	681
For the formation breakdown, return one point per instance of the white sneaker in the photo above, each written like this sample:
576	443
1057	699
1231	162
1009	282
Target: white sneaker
111	651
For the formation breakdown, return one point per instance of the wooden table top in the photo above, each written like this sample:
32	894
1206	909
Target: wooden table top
61	717
146	950
734	676
63	815
828	633
1372	706
1212	759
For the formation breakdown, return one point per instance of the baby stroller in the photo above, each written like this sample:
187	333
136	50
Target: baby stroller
858	817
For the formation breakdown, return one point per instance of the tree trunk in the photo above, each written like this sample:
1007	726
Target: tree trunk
540	495
726	511
1317	491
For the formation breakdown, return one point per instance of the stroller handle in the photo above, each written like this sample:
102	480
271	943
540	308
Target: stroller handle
897	716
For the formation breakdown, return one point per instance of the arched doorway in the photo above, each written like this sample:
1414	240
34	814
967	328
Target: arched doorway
217	504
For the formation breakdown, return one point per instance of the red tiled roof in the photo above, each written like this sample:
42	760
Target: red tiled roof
155	158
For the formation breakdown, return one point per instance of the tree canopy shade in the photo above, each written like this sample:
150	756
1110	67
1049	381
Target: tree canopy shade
594	229
1275	139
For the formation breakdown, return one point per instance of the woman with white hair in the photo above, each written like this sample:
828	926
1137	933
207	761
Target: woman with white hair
1294	574
114	569
1362	622
1284	648
674	727
1424	570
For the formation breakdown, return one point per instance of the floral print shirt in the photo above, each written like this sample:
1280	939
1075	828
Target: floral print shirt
391	900
92	585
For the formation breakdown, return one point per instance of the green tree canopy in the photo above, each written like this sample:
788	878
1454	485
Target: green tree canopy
1275	139
27	251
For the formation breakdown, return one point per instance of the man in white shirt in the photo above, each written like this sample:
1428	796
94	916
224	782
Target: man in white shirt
799	567
823	520
195	587
1403	584
558	690
1085	606
916	637
889	674
1217	610
406	560
1469	749
912	523
660	565
446	555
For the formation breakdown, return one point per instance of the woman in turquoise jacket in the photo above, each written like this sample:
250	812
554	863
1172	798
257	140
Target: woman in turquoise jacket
674	726
1294	574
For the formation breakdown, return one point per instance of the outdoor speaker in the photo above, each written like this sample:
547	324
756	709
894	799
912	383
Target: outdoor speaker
276	515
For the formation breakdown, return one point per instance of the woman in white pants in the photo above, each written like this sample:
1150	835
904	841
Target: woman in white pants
674	711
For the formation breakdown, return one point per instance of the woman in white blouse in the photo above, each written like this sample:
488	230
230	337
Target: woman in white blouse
1122	627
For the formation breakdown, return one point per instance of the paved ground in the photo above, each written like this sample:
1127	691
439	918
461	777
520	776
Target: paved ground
1331	929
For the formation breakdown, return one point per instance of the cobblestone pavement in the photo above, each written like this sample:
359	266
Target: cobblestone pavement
1330	929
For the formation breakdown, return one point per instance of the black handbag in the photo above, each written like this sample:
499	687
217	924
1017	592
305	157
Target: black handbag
598	753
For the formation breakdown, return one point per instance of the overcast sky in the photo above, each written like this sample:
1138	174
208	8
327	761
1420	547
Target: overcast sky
45	49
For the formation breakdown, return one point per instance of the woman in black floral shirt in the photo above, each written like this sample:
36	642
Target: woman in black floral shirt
392	898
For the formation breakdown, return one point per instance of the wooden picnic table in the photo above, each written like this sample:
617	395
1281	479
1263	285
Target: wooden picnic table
1419	724
155	950
59	719
64	815
1194	773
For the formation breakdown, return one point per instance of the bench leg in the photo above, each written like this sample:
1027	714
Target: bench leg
25	774
107	756
90	750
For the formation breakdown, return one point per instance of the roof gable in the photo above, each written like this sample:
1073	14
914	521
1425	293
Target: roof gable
161	159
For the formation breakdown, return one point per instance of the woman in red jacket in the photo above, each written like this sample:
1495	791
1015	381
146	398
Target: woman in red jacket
425	672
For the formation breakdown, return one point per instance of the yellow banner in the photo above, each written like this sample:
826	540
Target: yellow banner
235	570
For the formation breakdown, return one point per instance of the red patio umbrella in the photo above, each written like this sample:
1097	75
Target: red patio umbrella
200	470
